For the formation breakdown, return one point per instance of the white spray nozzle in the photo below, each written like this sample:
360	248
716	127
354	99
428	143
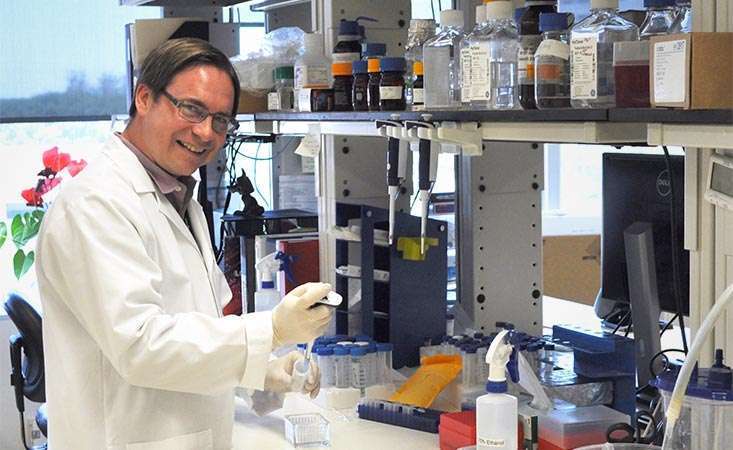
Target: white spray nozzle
498	356
267	266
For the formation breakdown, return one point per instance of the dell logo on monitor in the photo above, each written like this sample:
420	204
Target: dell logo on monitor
663	186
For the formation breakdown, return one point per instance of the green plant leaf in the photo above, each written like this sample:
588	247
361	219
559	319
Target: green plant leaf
3	233
22	262
38	214
17	230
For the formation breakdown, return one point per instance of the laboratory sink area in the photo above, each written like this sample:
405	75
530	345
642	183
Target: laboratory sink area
367	224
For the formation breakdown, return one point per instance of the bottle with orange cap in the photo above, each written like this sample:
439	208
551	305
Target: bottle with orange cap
342	86
375	77
416	91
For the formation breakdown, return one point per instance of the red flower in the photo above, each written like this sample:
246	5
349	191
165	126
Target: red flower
54	160
76	166
32	197
49	183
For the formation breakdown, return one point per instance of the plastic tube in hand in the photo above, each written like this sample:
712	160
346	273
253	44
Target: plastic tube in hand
301	369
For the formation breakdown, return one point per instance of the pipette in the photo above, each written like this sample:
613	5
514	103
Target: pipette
427	171
397	149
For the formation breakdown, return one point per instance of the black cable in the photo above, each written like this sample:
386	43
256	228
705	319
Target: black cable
621	322
22	431
668	325
675	260
662	353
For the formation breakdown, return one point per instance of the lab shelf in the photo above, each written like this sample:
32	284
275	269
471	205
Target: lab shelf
699	128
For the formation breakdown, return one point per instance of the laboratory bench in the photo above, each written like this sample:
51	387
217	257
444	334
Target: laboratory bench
347	432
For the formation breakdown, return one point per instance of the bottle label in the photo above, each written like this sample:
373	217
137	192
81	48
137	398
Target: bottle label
669	63
584	64
525	61
549	73
489	442
346	57
390	92
273	101
311	76
466	68
552	47
418	96
480	73
304	100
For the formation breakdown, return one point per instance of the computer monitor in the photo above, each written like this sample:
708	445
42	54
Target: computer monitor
636	188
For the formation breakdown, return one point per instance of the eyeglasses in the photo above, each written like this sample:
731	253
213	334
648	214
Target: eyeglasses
221	123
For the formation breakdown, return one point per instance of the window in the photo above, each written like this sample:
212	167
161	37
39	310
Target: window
64	58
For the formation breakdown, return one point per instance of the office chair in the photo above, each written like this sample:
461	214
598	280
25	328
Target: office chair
27	373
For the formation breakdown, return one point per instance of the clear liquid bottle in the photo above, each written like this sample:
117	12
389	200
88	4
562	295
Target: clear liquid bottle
503	52
528	26
440	62
419	32
659	18
469	45
683	20
312	67
552	62
591	55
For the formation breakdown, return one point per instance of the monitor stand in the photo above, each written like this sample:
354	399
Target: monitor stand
643	296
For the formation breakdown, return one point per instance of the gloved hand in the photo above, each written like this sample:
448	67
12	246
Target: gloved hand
279	377
293	319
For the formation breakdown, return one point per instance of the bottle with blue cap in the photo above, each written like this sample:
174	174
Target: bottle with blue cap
659	18
350	35
552	62
496	411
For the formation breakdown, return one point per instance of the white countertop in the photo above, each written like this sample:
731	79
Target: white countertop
347	433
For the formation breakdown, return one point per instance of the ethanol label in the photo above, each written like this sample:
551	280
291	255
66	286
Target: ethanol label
480	75
584	64
466	70
491	443
525	60
390	92
669	65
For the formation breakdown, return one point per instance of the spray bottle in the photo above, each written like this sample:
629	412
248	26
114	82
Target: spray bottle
267	296
496	412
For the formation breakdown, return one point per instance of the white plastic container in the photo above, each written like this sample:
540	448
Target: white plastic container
503	54
620	447
591	55
342	367
440	62
496	422
312	68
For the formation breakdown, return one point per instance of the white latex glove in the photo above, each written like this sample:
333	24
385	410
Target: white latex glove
293	319
279	377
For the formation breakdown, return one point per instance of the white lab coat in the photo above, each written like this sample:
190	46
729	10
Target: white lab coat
138	355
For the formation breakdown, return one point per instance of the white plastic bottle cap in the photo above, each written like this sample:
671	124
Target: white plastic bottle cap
499	10
313	42
480	14
603	4
451	18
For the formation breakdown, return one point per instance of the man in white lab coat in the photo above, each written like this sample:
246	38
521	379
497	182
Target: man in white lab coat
138	354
